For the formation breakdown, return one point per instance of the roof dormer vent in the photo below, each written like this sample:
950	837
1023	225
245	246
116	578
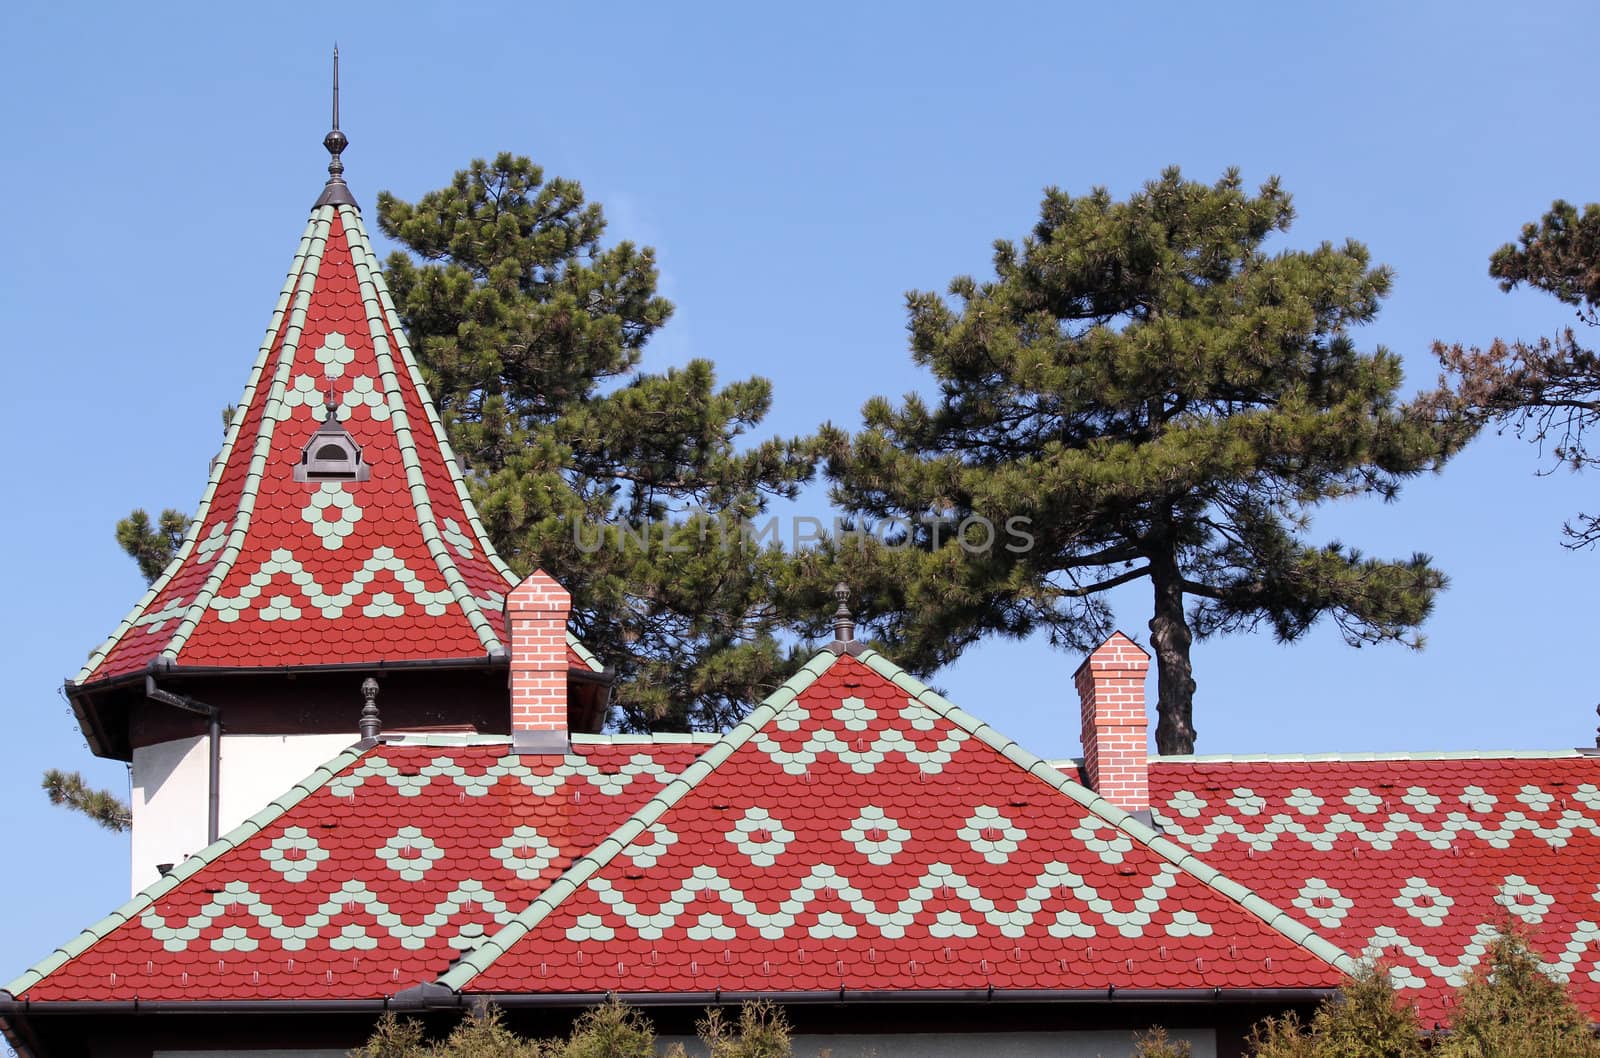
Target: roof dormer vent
331	454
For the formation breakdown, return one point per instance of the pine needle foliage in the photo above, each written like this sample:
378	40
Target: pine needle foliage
152	546
69	790
1157	397
617	482
1547	390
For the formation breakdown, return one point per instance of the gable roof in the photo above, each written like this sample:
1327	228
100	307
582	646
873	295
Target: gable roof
371	875
943	856
1411	858
859	832
395	567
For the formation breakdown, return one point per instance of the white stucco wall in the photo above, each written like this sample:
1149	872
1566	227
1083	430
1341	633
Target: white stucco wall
170	789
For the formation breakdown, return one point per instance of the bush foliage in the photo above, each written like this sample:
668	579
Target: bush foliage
1510	1008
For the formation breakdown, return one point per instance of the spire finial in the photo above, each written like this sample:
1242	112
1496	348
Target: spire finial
844	625
335	193
370	725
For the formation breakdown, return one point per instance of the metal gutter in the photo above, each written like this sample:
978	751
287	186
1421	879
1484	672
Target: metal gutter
424	998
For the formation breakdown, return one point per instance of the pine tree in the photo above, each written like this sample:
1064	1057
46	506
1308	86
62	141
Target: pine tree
634	490
1141	392
1546	390
621	484
152	547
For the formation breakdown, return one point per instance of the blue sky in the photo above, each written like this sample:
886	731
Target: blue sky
798	168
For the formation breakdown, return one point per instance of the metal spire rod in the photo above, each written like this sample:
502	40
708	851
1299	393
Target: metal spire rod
335	193
336	86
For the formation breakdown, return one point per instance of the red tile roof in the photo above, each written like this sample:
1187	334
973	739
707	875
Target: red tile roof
1414	860
392	568
376	879
857	831
859	837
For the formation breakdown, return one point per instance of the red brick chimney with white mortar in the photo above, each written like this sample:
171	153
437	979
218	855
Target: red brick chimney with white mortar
1116	730
536	621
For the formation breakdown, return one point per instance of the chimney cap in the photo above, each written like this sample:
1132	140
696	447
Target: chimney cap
1116	652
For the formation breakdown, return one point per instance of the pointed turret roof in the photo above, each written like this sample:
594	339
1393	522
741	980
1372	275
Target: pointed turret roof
321	542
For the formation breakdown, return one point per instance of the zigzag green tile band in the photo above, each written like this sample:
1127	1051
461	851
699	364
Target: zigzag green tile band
585	867
1270	914
147	897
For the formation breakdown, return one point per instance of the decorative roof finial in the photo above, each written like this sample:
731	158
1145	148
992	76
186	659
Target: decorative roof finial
370	725
336	193
844	625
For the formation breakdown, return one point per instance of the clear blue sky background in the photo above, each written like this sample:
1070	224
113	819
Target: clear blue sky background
798	167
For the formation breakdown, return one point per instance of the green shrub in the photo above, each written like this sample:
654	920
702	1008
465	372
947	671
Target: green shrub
1511	1008
1365	1020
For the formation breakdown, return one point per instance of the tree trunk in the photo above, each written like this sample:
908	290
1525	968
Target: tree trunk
1170	639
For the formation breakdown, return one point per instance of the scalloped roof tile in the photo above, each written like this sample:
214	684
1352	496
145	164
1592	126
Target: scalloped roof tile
372	875
860	832
1411	858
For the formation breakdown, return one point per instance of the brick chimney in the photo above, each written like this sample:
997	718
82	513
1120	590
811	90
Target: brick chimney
1116	730
536	621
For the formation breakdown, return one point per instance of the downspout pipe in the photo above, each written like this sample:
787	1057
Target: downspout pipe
213	717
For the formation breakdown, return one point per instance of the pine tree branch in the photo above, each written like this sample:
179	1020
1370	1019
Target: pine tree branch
1105	585
69	790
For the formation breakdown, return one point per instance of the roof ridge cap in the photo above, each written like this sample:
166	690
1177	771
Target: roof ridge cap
273	810
586	866
263	354
1273	916
1363	756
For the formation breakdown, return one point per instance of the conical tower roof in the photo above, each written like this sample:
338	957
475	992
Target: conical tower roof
321	541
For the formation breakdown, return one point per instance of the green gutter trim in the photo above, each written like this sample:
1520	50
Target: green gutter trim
191	537
1274	917
185	870
586	866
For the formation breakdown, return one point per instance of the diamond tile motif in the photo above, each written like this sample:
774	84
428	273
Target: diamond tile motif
856	837
1414	860
332	514
283	912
